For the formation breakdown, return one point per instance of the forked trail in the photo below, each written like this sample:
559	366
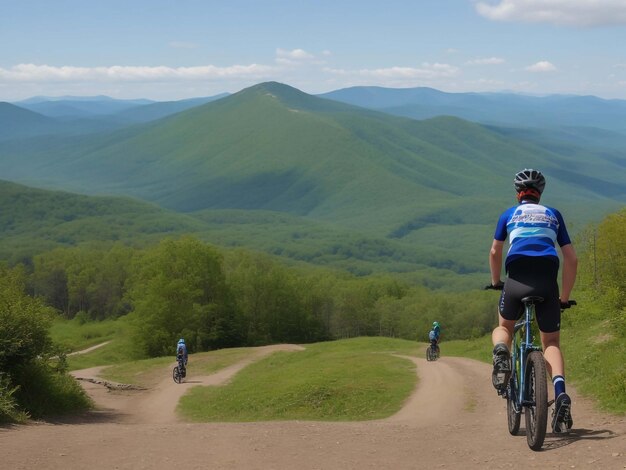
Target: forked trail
453	419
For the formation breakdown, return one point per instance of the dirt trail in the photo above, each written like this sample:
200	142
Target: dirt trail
88	350
453	420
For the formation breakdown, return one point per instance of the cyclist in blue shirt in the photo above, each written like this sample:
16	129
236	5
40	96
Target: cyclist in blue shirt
434	334
181	353
532	266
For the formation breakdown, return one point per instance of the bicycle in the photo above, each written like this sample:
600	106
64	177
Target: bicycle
527	388
432	352
179	372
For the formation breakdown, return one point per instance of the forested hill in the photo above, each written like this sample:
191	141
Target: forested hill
35	220
17	122
272	147
511	109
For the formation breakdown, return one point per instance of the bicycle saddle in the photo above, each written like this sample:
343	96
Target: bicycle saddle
532	299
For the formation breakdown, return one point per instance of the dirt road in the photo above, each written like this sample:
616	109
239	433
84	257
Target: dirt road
453	420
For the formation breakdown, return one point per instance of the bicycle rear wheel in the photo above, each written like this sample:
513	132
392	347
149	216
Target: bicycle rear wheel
536	416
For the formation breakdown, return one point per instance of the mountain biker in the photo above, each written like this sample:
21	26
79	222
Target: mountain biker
532	265
433	336
181	354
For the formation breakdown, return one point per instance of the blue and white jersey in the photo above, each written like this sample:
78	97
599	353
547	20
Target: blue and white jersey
533	230
181	350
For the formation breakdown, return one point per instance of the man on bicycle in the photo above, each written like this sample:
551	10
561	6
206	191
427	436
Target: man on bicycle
181	355
532	266
433	336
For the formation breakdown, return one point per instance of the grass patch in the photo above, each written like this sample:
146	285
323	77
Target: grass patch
208	363
595	355
355	379
149	372
74	335
478	348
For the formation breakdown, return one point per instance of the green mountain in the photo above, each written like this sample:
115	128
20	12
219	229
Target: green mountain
490	108
433	188
16	122
33	221
78	106
153	111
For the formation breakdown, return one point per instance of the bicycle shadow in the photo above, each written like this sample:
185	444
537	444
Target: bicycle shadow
557	441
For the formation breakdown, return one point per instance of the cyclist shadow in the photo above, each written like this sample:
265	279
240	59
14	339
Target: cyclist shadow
556	441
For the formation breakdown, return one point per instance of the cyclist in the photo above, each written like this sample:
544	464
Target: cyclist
181	355
532	266
433	336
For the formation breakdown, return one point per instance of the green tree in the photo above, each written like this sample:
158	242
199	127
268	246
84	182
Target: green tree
179	289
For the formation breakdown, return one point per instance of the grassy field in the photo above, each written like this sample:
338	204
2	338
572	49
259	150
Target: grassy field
343	380
352	379
149	372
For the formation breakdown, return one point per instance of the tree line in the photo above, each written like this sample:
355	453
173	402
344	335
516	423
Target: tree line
218	298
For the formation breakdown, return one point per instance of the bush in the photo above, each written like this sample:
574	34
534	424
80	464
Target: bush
44	391
28	383
9	411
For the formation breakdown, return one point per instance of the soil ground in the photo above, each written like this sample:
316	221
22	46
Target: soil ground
453	419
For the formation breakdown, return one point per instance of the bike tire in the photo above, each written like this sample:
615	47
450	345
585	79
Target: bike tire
536	414
513	417
428	358
176	375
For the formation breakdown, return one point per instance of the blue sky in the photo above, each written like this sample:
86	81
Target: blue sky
178	49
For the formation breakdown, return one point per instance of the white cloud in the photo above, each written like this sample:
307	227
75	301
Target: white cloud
563	12
294	56
487	61
427	71
541	66
45	73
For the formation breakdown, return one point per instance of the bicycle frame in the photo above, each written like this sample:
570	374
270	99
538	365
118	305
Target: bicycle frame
522	346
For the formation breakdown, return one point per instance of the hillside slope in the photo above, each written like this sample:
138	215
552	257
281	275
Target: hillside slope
272	147
490	108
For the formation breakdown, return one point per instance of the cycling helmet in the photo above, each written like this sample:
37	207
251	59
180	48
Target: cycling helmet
529	179
182	340
435	323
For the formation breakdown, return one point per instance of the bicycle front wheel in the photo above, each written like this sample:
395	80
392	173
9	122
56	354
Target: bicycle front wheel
536	416
513	413
176	375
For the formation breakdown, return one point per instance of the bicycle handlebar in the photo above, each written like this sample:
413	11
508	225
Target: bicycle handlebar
567	304
496	287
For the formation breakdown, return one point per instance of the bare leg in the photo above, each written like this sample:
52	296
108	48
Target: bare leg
503	333
552	353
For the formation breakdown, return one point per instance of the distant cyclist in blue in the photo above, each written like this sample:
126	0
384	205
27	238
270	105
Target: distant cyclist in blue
181	352
434	334
532	265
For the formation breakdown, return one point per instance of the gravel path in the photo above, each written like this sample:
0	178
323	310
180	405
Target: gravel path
454	419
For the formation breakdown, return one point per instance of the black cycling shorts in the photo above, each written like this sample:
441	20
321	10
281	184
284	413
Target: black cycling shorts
533	276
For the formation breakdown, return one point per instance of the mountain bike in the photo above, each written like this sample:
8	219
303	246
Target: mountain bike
432	352
179	372
528	388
